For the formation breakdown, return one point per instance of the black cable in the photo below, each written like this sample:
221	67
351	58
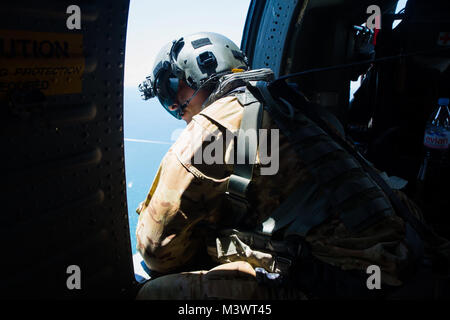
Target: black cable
352	64
213	77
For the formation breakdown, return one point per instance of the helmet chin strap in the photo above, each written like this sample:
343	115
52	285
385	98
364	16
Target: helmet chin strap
186	103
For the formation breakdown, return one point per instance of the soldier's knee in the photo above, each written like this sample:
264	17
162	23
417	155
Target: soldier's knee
180	286
238	269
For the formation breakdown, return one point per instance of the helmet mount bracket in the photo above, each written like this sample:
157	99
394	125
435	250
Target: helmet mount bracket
207	62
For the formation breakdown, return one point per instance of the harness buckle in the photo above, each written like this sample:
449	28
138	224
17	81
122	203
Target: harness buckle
239	206
282	264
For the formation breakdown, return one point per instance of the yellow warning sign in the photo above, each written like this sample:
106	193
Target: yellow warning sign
51	62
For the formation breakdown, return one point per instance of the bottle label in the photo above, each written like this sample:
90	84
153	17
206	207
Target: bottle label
436	140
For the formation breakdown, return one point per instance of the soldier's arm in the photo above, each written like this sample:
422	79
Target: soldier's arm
184	193
164	231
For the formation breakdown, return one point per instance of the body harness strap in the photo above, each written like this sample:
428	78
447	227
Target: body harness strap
247	144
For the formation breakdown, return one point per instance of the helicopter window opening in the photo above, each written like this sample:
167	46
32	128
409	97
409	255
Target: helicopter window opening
149	130
354	86
401	4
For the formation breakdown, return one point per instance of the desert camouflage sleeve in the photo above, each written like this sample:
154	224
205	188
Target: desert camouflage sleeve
184	193
162	233
180	197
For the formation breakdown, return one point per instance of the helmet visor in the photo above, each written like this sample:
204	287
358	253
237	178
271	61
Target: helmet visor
166	87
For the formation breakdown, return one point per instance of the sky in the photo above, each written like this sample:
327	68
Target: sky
153	23
149	130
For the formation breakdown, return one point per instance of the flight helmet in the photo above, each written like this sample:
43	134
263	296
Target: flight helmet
199	59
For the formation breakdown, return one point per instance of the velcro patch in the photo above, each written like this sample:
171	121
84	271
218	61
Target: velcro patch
200	43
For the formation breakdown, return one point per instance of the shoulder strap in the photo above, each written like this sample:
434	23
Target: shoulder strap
246	146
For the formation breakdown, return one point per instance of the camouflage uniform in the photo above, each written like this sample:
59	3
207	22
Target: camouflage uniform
186	196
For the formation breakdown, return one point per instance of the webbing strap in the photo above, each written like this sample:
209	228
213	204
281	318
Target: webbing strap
247	145
330	170
319	150
364	214
307	132
309	215
349	188
288	210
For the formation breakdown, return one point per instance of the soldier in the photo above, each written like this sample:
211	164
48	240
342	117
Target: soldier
309	227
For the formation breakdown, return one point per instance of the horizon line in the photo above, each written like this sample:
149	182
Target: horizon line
147	141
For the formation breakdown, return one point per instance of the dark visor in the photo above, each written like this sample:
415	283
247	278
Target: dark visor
165	87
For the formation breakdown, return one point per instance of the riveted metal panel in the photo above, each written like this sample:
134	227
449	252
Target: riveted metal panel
64	198
272	34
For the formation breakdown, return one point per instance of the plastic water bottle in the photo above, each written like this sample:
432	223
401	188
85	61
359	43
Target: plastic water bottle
438	128
433	177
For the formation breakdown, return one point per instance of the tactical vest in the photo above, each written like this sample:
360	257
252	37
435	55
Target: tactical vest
339	185
335	175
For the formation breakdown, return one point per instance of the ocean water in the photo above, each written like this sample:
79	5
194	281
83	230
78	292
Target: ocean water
149	131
